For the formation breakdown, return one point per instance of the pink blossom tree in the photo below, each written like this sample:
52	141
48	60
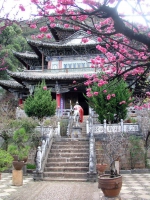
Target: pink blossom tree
123	45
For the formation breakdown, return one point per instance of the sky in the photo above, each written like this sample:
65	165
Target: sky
30	10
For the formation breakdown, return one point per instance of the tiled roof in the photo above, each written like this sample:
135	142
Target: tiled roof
73	40
38	75
26	54
12	83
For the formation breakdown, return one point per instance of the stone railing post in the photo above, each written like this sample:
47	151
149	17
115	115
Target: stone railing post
38	159
105	126
58	129
87	127
92	160
122	129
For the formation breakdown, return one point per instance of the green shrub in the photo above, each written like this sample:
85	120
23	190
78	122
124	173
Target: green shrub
40	104
31	166
5	160
110	101
63	127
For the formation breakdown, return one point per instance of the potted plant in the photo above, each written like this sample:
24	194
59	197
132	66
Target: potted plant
5	160
20	147
115	146
109	98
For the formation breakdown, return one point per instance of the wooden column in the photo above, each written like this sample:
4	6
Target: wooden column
58	97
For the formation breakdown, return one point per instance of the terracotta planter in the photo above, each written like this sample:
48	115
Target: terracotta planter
101	168
18	165
110	186
15	157
25	159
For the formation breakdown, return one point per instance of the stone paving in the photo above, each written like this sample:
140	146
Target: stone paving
135	187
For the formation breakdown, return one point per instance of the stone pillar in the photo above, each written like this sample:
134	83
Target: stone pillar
17	177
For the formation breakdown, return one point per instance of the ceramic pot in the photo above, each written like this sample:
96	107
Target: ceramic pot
18	165
110	186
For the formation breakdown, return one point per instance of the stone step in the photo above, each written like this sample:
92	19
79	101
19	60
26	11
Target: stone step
72	142
67	164
66	169
71	175
67	155
86	146
65	179
63	159
69	151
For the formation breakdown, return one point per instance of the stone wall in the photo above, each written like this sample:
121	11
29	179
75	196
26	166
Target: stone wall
124	160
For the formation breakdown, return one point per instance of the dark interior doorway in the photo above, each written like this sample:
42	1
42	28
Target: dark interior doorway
83	103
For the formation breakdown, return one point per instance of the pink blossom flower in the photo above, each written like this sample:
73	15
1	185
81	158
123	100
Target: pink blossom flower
33	37
74	82
122	102
66	25
35	1
33	26
104	91
88	89
40	36
85	40
51	19
89	32
21	7
113	95
108	97
44	29
44	88
96	93
48	35
75	89
52	25
99	39
89	94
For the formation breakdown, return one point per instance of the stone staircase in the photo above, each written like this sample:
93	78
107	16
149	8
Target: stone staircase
68	160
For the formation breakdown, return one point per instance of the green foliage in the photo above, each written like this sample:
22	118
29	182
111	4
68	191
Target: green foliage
5	160
20	136
136	150
12	149
63	126
31	166
28	124
11	39
107	109
40	104
20	144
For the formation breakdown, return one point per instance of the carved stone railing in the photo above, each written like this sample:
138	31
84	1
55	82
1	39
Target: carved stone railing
47	136
130	128
63	112
70	125
97	128
91	175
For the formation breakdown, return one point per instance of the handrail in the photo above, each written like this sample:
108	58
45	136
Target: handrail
92	154
42	151
70	125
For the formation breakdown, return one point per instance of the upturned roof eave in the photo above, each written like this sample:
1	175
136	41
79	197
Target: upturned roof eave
49	76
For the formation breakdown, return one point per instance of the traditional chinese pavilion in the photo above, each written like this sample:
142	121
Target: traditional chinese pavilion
61	63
